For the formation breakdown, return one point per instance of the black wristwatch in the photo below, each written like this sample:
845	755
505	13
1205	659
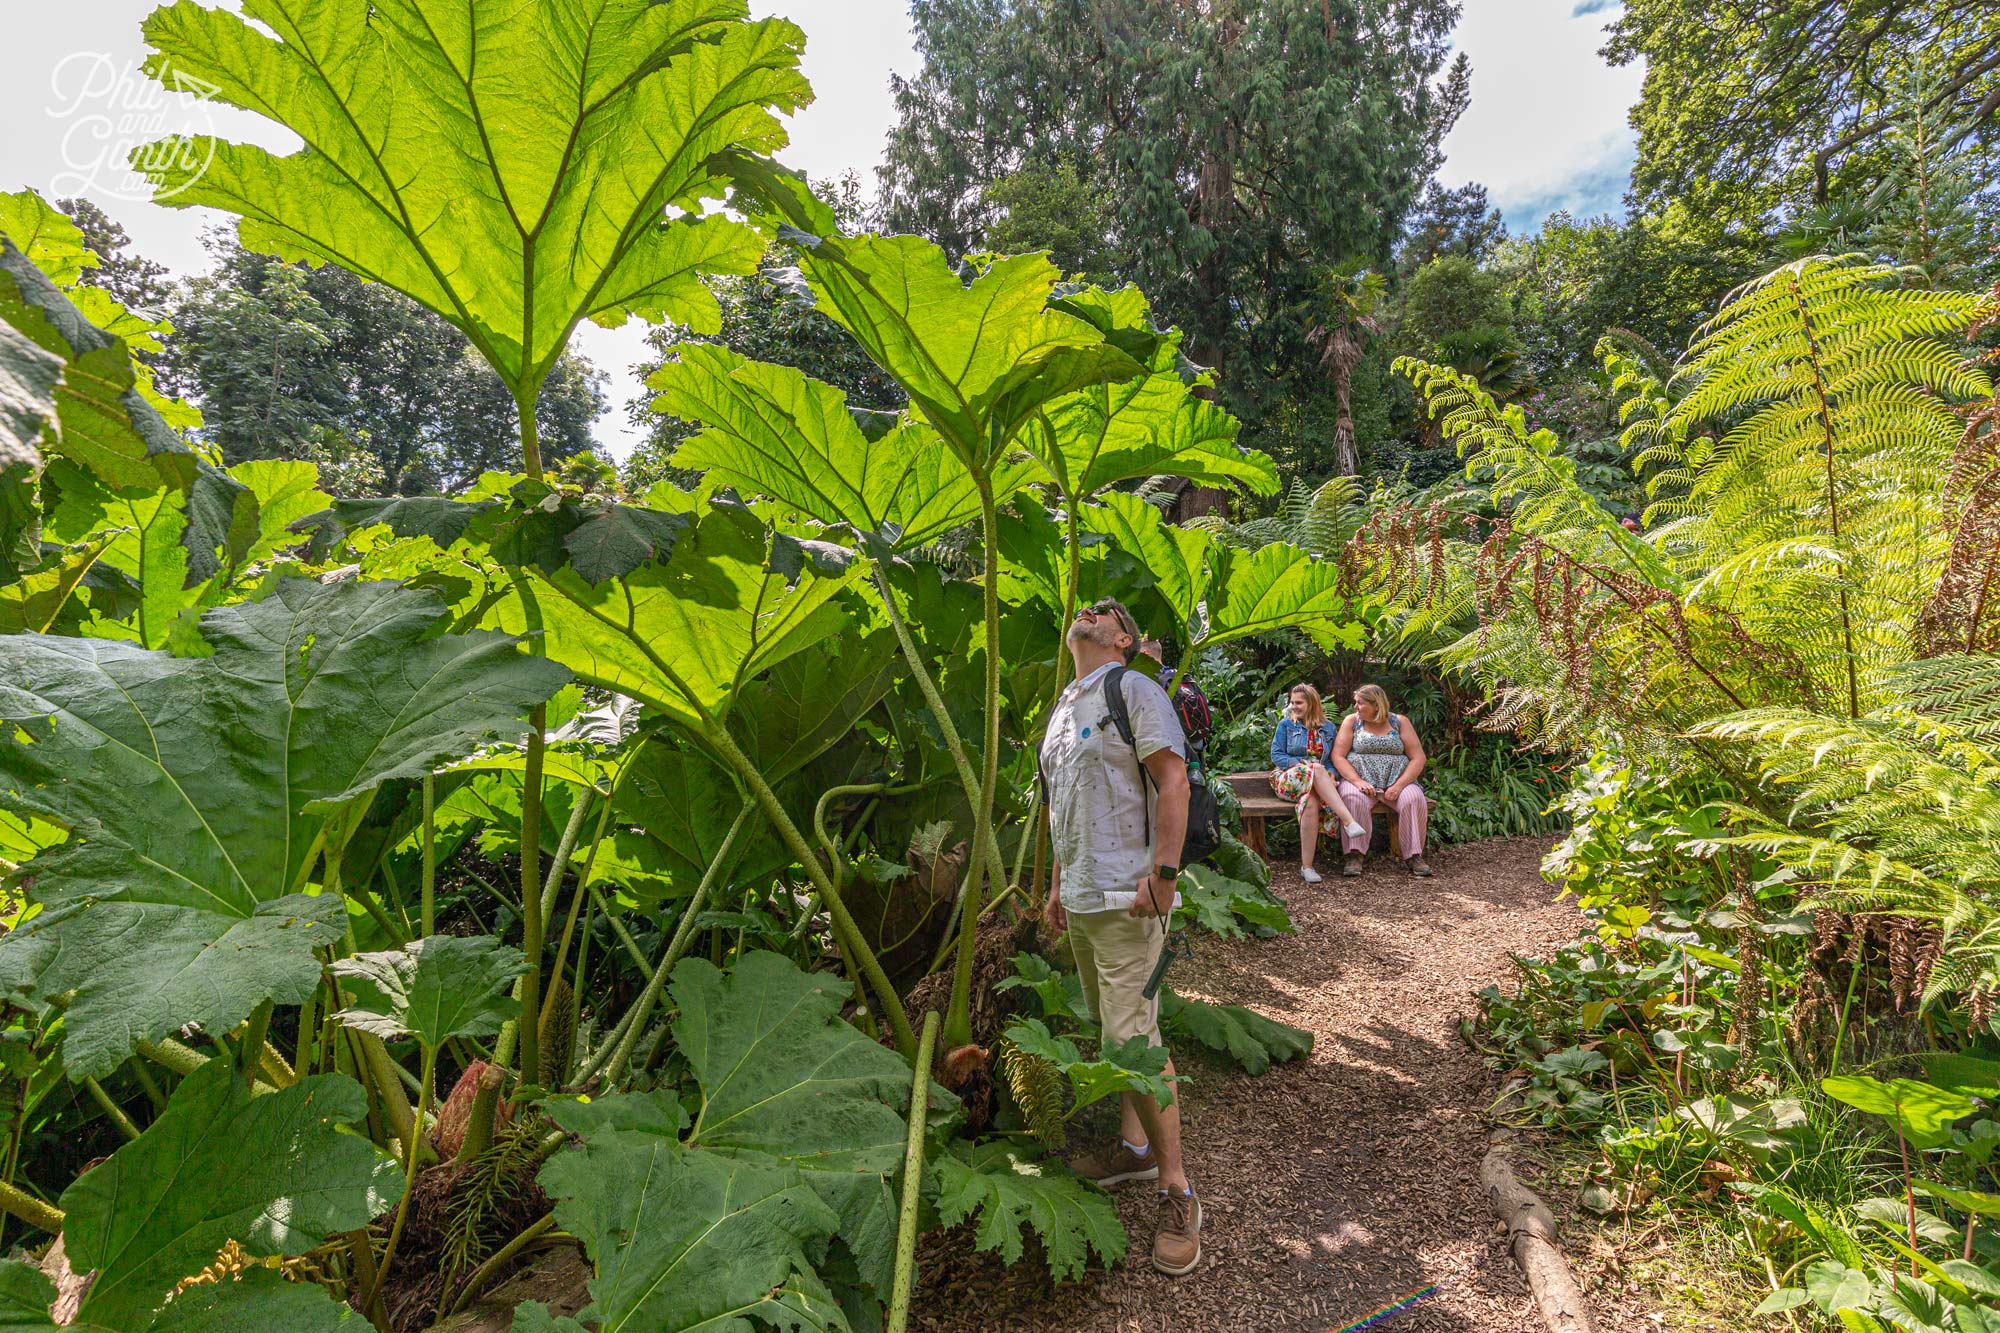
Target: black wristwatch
1166	872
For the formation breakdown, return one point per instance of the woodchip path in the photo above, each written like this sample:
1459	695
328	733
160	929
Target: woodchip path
1336	1185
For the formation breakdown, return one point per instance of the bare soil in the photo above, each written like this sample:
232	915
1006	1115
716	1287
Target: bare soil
1340	1184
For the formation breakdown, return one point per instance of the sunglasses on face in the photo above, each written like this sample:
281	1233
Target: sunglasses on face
1103	610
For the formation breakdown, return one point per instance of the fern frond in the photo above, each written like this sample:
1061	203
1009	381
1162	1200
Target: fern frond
1897	811
1037	1086
1794	463
1829	394
1960	691
482	1188
1649	429
1963	613
1317	520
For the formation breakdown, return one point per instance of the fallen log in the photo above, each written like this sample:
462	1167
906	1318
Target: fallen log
1531	1238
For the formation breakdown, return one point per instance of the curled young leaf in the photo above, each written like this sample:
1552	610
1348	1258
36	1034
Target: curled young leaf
432	989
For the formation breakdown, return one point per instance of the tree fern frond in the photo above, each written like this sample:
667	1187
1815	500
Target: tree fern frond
1317	520
1963	613
1793	463
1898	810
1959	690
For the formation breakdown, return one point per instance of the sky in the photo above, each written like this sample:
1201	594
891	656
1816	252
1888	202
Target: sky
1546	129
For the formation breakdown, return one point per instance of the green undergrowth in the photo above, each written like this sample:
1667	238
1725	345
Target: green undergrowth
563	857
1674	1267
1749	1179
1817	1154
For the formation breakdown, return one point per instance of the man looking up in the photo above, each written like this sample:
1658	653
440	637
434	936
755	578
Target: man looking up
1117	815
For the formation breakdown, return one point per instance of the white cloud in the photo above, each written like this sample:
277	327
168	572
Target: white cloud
1547	125
851	47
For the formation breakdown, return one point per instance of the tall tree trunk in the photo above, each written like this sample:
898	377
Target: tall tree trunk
1345	459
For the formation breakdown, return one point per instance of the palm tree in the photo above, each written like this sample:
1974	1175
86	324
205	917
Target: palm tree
1349	294
1491	355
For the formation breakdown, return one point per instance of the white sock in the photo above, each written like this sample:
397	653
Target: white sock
1137	1149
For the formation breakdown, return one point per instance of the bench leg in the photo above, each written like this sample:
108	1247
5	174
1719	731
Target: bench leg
1253	833
1395	838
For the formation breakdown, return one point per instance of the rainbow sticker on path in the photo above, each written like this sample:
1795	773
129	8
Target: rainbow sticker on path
1369	1321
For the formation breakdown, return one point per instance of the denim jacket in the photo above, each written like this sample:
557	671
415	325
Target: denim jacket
1290	746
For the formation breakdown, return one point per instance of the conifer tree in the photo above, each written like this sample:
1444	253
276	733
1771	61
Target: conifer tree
1241	143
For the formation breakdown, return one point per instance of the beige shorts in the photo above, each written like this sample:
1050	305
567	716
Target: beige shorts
1115	955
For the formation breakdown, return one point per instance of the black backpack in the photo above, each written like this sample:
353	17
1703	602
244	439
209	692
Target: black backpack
1191	705
1204	818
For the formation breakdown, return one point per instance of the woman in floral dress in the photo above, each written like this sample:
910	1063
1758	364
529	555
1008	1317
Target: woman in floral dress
1299	773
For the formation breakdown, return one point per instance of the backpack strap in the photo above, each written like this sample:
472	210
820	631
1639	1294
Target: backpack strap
1114	704
1121	718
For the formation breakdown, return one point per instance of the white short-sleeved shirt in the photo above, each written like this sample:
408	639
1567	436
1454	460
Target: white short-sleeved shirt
1099	808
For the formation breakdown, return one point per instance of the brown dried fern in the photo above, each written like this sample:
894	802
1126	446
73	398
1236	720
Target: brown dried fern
1037	1087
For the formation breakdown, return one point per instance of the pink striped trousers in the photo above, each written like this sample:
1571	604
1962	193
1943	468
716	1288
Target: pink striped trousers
1412	813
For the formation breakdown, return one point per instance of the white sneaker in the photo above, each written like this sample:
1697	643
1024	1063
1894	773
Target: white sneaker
1308	874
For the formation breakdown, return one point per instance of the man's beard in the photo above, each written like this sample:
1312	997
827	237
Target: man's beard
1093	631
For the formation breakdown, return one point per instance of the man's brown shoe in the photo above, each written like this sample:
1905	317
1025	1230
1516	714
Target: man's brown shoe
1418	867
1350	865
1177	1238
1114	1164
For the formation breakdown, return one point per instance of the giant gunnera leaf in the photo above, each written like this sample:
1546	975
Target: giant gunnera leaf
103	411
25	1297
780	1073
257	1301
194	789
683	1238
1217	592
70	385
675	809
772	430
728	1219
979	359
514	167
1150	425
101	417
28	378
274	1173
685	632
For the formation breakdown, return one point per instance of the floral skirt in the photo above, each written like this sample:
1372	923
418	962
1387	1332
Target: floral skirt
1295	784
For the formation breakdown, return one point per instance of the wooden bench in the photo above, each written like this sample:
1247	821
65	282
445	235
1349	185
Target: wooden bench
1258	803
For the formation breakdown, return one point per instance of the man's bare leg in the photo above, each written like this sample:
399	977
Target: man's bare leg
1143	1121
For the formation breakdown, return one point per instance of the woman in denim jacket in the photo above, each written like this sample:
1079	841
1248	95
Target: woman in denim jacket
1299	770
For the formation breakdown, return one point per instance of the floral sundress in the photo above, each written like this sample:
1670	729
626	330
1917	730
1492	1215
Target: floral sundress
1295	783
